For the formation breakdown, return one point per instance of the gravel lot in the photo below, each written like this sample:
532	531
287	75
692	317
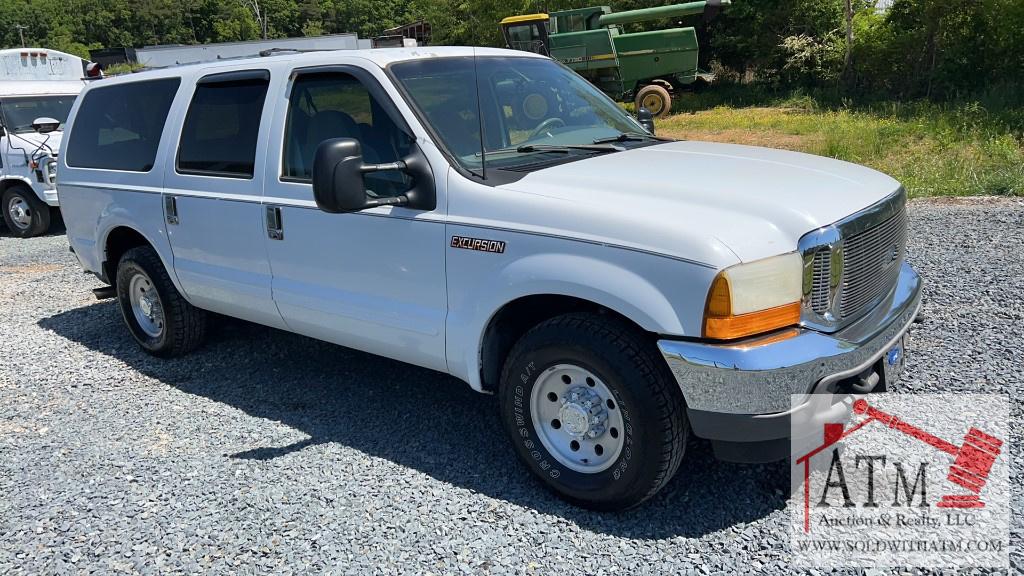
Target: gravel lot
270	452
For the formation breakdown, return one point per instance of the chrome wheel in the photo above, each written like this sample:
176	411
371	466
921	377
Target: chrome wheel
20	212
146	305
576	418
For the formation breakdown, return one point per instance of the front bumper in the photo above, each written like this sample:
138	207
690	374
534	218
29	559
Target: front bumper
741	392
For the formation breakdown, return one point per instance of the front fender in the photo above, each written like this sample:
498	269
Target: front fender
661	295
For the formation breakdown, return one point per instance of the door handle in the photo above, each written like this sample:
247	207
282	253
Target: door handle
275	229
171	209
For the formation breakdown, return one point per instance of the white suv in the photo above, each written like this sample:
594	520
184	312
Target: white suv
491	215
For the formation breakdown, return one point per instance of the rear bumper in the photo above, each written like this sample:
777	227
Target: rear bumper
741	392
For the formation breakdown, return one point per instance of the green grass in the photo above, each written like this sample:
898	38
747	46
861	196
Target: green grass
934	150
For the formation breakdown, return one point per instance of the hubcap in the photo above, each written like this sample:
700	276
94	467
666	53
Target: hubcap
146	306
577	419
21	213
654	103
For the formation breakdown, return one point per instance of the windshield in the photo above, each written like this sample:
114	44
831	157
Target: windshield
527	104
19	113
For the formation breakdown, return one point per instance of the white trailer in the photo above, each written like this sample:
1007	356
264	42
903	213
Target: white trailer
164	56
37	88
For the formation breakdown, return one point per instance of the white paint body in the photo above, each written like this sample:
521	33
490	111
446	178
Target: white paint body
27	73
642	232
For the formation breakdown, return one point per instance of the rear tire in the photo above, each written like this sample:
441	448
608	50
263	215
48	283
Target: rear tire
159	318
24	213
656	99
593	411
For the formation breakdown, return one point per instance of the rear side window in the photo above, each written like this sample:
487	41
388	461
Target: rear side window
223	124
119	127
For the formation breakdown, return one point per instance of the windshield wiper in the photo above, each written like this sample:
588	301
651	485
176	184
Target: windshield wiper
626	137
528	148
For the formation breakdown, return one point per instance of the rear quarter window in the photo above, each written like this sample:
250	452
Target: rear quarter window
119	127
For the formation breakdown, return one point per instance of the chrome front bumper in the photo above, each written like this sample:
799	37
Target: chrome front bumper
758	376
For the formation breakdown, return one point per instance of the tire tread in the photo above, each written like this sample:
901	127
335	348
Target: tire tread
639	350
188	323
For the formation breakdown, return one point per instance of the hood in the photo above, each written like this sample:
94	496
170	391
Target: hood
757	202
31	140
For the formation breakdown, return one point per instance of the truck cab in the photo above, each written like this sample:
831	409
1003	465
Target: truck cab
37	89
492	215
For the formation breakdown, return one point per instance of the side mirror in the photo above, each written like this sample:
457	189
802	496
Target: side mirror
646	119
45	125
339	187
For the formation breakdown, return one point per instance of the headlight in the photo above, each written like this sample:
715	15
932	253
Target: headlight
755	297
51	171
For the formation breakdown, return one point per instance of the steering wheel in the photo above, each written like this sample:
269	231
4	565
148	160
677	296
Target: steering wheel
545	125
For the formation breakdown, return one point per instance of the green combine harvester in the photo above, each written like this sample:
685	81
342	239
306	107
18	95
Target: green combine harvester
647	67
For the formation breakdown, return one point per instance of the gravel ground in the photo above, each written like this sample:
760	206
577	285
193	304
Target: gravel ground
270	452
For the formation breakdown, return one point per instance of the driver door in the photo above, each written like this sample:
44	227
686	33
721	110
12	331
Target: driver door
371	280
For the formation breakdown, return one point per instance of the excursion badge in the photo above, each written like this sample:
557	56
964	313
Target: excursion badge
478	244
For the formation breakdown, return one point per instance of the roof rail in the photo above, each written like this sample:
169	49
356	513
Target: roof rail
279	50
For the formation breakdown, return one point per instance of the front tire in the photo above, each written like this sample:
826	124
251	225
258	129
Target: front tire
159	318
24	213
593	411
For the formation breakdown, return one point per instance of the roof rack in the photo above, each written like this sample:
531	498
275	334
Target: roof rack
279	50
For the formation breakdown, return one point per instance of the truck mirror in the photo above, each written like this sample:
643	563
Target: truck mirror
339	186
646	119
45	125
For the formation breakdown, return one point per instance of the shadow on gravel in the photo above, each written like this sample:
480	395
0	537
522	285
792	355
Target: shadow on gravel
414	417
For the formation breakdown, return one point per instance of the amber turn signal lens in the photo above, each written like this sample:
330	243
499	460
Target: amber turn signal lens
719	298
732	327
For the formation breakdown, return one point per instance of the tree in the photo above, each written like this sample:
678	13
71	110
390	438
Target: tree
258	14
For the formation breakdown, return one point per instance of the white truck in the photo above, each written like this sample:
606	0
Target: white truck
37	88
490	214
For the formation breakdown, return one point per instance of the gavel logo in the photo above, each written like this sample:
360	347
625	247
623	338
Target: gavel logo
973	459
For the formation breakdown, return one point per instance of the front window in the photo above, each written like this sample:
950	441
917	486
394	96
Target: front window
326	105
526	106
20	112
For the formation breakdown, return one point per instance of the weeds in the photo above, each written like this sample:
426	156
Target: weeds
933	149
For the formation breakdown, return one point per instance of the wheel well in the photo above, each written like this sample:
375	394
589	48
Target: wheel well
516	318
10	183
119	241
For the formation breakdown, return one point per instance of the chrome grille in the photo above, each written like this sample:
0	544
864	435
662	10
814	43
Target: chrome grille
849	266
871	263
819	283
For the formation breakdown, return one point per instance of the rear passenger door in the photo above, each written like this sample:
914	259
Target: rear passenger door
212	193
